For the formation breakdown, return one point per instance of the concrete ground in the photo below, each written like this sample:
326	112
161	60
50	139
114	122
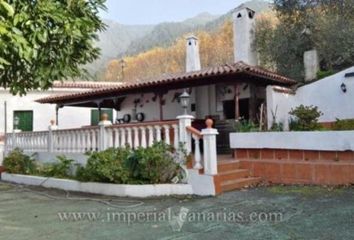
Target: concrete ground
263	213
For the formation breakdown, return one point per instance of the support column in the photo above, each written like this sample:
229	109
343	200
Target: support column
103	140
210	153
253	103
184	136
161	105
237	101
51	127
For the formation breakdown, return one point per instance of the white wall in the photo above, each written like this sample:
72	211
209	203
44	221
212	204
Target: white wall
151	108
69	117
320	140
326	94
204	97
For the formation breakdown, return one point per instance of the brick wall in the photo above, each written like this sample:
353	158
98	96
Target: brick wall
299	166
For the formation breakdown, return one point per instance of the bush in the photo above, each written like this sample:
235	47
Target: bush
62	169
305	118
19	163
107	166
344	125
153	165
246	126
157	164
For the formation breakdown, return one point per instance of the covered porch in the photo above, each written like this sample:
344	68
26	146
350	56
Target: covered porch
222	93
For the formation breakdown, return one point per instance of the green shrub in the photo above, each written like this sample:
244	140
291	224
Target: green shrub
246	126
19	163
323	74
107	166
305	118
61	169
344	125
153	165
277	127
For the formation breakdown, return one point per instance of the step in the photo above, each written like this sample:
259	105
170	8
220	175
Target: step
226	166
234	174
239	183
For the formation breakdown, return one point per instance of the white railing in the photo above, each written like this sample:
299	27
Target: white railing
142	134
96	138
73	140
137	135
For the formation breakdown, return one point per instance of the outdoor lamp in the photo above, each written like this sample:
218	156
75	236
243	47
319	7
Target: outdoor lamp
343	87
184	98
16	122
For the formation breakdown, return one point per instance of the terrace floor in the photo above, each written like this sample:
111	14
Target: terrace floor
263	213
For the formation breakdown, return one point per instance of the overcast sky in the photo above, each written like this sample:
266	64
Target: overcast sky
157	11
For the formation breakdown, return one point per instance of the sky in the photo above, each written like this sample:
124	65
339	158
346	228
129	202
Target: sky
157	11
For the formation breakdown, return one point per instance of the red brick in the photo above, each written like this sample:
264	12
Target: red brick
273	172
322	173
311	155
254	153
328	155
246	165
337	174
281	154
267	154
296	154
241	154
259	169
345	156
288	171
304	172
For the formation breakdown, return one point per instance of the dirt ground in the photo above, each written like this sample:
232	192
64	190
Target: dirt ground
263	213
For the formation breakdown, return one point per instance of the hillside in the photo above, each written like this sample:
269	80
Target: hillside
128	40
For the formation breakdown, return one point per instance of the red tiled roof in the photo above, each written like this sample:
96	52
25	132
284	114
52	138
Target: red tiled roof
165	80
85	84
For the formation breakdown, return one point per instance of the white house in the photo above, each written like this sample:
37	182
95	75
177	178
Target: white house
33	116
147	112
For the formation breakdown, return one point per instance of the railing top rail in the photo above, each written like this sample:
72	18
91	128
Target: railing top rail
76	129
194	131
27	132
145	124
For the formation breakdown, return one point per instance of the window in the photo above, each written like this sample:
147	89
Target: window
95	118
25	120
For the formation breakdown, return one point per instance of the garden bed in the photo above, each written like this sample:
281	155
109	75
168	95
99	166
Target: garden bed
120	190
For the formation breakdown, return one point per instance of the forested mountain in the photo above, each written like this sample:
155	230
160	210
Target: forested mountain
128	40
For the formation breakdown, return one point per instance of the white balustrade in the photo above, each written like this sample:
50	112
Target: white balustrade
143	134
90	139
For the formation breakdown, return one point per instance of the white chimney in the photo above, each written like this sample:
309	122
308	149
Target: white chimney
312	65
192	58
244	35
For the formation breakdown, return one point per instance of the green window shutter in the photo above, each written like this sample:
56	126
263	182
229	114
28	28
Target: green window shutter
25	120
95	118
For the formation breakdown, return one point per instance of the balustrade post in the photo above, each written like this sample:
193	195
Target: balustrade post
197	154
210	153
184	136
136	143
102	138
143	137
52	126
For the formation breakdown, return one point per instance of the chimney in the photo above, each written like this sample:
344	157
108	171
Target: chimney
311	64
244	35
192	58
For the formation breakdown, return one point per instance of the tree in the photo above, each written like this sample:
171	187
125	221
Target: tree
215	48
47	40
301	25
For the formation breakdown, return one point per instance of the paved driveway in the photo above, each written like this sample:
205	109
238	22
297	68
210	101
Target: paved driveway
263	213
